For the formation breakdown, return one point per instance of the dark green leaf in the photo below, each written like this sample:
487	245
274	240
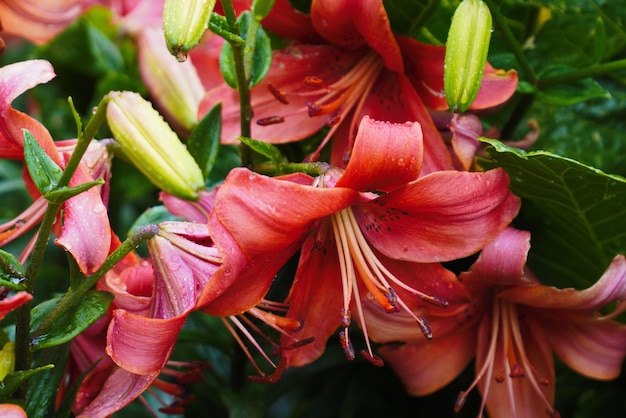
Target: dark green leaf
11	271
91	307
599	41
152	216
13	380
219	25
204	140
42	391
261	8
576	214
568	94
61	194
407	16
44	172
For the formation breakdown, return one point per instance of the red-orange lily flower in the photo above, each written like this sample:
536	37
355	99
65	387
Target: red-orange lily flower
347	232
512	329
358	67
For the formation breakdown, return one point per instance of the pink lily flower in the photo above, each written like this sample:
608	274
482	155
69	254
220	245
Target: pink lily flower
357	68
349	235
512	328
40	20
83	215
8	410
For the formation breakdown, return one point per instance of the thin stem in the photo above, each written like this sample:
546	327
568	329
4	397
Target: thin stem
243	87
500	23
70	298
574	75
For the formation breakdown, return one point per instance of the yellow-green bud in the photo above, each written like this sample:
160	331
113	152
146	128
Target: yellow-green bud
466	53
152	146
184	23
7	359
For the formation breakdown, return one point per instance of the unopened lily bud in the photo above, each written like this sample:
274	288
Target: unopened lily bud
184	23
466	53
152	146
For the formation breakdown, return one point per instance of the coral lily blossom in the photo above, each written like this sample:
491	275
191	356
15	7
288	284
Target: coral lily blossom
358	67
512	328
347	232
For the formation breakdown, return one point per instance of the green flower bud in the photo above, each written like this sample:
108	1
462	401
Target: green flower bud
466	53
152	146
184	23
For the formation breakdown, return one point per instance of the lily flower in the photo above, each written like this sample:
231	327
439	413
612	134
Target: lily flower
84	214
358	68
8	410
512	328
348	234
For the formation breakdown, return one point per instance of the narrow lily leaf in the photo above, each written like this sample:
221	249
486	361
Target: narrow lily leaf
599	41
569	93
11	271
42	391
219	26
13	380
261	8
576	213
44	172
204	140
91	307
268	150
261	55
63	193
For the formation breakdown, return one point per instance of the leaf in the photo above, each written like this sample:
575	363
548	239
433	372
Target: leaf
90	308
11	271
42	392
204	140
44	172
567	94
13	380
266	149
406	16
152	216
575	213
61	194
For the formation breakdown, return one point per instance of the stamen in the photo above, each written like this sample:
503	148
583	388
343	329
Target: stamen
313	81
346	317
270	120
346	344
279	323
279	95
299	343
460	401
375	360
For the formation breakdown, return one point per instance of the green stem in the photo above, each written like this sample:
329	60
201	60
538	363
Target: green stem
23	352
70	298
500	23
243	86
574	75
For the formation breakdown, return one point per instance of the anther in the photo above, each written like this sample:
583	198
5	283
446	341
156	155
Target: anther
425	327
375	360
279	95
346	317
300	343
517	371
346	344
313	81
434	300
314	109
460	401
271	120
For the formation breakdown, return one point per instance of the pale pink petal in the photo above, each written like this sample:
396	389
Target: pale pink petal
465	132
8	410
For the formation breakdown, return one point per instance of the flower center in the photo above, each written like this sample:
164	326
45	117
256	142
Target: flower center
506	340
334	100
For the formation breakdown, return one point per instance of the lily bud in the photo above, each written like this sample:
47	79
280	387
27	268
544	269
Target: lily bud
152	146
7	359
466	53
184	23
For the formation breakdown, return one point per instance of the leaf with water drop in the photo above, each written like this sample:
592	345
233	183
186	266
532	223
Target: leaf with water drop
42	169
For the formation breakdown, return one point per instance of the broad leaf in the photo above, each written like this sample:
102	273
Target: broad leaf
44	172
575	213
91	307
204	140
11	271
567	94
13	380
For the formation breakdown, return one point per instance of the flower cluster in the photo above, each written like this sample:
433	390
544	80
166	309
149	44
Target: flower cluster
359	195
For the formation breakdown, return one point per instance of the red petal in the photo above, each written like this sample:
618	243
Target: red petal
385	155
13	302
139	344
287	22
443	216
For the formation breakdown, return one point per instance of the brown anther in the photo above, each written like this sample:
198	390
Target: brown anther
425	327
333	120
434	300
313	81
375	360
517	371
460	401
279	95
346	317
393	298
271	120
314	109
346	344
499	378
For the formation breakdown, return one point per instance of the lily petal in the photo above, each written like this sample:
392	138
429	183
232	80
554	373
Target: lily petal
444	216
385	155
13	302
8	410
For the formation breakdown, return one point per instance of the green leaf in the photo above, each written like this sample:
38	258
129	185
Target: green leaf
258	53
261	8
204	140
41	393
152	216
407	16
576	213
567	94
267	150
599	41
91	307
219	25
11	271
44	172
13	380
